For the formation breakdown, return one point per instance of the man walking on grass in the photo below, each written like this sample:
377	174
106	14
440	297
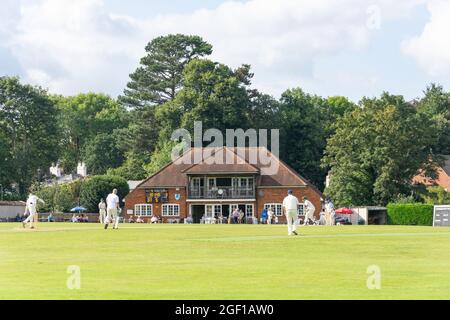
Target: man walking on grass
112	204
290	208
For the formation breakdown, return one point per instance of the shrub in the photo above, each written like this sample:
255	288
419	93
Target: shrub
58	198
437	195
410	214
95	188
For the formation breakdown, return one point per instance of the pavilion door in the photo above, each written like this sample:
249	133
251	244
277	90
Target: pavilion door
233	207
213	210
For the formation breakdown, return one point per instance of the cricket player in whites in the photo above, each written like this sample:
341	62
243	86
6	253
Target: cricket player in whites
102	211
310	209
290	208
31	211
112	205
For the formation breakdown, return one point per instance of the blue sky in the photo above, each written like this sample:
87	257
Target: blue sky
353	48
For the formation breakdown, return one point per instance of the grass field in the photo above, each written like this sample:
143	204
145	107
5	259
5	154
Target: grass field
223	262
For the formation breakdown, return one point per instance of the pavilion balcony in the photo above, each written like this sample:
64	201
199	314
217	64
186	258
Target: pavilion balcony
221	193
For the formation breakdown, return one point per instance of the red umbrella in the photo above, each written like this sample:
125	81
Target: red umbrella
344	211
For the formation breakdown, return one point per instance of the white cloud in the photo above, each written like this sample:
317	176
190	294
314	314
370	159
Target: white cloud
431	49
75	46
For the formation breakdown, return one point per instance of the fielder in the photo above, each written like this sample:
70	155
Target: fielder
102	211
310	209
31	211
290	208
112	204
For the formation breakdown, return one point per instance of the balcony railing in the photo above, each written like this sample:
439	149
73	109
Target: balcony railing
221	193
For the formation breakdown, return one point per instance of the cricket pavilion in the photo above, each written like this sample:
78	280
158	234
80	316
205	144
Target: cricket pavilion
208	190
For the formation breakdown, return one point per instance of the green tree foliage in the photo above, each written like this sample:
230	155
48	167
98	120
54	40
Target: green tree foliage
95	188
436	104
376	151
132	168
302	135
213	94
102	153
436	195
160	158
159	77
263	111
5	160
156	81
28	131
332	109
82	118
58	197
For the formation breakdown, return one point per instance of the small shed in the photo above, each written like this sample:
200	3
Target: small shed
10	209
372	215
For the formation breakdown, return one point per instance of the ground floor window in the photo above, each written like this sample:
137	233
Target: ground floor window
170	210
275	207
249	210
301	209
143	210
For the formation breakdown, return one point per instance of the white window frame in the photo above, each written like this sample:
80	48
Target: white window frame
168	210
274	207
247	206
301	209
141	212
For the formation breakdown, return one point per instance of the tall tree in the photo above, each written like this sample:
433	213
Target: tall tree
159	77
376	151
212	93
436	104
82	118
132	168
102	153
302	135
332	109
5	160
156	81
28	118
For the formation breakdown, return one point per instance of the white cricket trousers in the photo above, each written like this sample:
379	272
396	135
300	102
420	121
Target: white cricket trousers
112	217
291	216
309	215
32	215
102	215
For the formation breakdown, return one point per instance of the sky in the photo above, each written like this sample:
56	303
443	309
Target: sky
352	48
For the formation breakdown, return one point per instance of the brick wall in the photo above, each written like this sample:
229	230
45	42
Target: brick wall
137	196
270	195
276	195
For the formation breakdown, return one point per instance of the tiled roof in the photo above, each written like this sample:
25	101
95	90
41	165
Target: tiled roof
220	161
175	173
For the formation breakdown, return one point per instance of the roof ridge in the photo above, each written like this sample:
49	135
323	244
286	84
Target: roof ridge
217	149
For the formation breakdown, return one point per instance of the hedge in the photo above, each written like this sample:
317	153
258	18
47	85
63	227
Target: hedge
410	214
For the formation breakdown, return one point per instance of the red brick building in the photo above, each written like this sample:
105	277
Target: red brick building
215	186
